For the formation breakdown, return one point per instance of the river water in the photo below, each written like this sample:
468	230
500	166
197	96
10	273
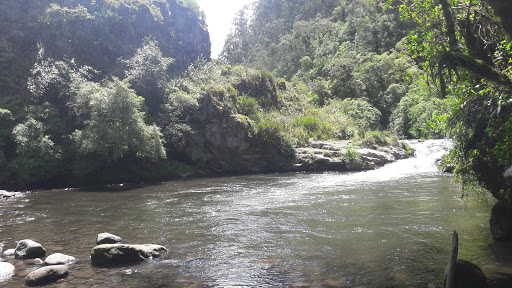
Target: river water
389	227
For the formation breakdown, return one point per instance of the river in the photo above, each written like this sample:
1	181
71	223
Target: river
389	227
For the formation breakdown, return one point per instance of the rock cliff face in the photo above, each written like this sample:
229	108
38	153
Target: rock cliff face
96	33
227	143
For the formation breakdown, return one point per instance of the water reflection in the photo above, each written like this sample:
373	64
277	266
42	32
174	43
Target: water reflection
385	228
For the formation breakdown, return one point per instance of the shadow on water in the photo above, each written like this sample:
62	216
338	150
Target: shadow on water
384	228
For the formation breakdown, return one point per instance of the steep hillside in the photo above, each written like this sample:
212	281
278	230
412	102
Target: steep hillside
53	52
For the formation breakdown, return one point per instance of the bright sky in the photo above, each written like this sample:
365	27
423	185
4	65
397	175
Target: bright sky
219	15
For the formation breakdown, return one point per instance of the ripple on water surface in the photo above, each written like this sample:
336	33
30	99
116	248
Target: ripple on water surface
385	228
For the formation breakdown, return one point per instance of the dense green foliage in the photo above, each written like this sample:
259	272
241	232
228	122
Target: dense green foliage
107	91
431	68
338	50
83	86
466	52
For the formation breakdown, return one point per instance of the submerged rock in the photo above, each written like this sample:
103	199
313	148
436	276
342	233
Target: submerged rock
36	261
46	275
120	254
28	249
6	270
6	195
107	238
59	259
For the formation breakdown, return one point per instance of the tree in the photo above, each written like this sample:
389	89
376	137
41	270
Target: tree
147	72
38	157
467	50
116	125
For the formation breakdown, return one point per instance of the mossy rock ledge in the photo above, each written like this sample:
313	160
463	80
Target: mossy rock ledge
107	255
341	156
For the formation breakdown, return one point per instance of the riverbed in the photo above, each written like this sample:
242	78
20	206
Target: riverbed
389	227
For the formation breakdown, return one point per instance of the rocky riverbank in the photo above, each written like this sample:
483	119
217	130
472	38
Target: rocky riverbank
343	156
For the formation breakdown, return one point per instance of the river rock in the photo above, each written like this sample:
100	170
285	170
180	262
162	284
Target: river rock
9	252
501	221
36	261
120	254
46	275
59	259
107	238
28	249
6	270
469	275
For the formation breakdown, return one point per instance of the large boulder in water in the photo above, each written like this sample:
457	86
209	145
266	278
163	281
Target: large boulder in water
107	238
468	275
28	249
501	220
121	254
6	271
46	275
59	259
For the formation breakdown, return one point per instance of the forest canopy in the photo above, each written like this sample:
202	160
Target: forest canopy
125	91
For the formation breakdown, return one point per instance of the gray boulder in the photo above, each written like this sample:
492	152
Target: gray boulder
46	275
6	270
121	254
28	249
107	238
59	259
9	252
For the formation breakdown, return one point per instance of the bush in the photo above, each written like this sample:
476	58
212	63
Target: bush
375	139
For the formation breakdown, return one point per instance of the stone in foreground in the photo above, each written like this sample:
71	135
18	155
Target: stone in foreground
59	259
121	254
46	275
28	249
9	252
6	270
107	238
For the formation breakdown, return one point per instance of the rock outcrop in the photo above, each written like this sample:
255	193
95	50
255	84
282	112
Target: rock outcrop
28	249
341	156
107	238
46	275
228	143
121	254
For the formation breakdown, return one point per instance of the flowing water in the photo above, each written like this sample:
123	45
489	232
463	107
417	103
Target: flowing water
389	227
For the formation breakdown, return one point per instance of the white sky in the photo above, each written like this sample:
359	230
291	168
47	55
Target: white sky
219	15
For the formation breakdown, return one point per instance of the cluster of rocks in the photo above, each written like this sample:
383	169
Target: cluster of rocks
109	252
340	156
31	252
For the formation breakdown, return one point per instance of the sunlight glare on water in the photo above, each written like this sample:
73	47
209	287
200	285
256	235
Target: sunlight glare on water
390	227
